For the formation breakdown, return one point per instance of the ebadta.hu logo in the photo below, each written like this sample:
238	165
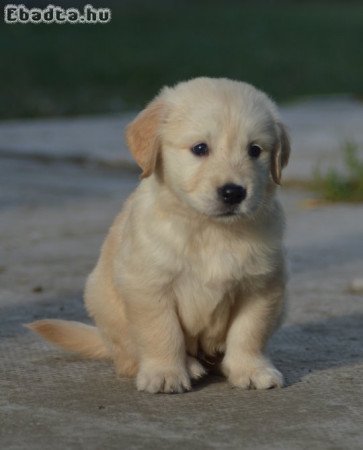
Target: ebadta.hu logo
56	14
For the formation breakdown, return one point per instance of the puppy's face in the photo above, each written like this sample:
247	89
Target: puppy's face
219	144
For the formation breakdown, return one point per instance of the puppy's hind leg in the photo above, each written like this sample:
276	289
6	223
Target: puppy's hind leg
125	365
105	305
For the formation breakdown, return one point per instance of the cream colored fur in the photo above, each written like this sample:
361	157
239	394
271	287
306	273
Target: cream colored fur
177	281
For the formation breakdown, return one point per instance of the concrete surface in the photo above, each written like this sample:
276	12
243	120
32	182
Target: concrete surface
319	128
54	216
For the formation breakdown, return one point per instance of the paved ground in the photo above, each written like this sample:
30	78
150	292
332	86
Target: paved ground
54	216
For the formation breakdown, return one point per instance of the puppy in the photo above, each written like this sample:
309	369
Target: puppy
193	268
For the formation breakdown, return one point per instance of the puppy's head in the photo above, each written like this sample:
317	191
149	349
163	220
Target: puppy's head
218	144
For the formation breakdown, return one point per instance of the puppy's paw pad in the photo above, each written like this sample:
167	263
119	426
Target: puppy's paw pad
168	381
195	368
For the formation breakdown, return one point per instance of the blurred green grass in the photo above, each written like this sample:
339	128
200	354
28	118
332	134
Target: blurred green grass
286	49
334	186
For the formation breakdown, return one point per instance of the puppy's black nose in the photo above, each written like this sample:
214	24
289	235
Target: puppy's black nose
232	194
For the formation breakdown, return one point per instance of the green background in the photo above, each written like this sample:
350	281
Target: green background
288	49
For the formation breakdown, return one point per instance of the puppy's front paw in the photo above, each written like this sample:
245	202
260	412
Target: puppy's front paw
253	373
153	379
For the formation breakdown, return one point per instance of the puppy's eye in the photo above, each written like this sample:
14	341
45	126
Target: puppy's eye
200	149
254	151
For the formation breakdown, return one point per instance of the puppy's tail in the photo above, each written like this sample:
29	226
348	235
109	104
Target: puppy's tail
72	336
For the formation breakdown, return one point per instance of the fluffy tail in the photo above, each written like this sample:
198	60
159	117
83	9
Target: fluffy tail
72	336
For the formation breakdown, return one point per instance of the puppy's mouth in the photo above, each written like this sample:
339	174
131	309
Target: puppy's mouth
227	213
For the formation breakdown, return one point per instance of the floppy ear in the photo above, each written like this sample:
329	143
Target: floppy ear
280	154
142	136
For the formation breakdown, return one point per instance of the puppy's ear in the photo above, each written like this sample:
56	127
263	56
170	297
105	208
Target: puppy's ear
280	154
142	136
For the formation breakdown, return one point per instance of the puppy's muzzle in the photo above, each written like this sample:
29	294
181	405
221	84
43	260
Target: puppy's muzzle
231	194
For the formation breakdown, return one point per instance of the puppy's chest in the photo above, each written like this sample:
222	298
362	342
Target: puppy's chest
212	272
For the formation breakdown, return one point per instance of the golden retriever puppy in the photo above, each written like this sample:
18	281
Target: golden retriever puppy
193	266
